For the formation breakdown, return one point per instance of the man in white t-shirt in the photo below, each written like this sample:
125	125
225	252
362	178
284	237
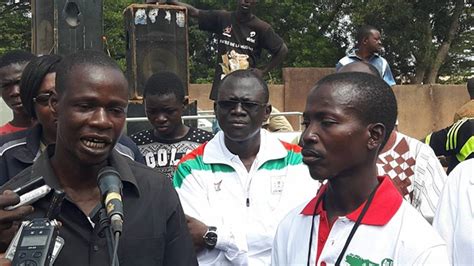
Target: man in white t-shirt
454	218
237	187
411	164
357	217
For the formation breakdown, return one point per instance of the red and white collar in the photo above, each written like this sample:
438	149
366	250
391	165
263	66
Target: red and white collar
387	200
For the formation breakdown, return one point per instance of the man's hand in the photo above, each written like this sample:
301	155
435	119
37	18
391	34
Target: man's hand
10	220
197	229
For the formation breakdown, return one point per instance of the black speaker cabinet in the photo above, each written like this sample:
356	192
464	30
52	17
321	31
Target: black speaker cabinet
157	40
66	26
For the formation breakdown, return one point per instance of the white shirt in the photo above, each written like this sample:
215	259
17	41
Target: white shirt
246	206
391	233
454	219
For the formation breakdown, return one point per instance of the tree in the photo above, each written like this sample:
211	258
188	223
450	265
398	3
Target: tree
312	31
15	26
424	39
114	28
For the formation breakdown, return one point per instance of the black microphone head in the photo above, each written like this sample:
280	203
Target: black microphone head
108	180
110	187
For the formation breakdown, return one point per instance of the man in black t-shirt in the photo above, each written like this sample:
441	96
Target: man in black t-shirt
241	36
90	107
163	146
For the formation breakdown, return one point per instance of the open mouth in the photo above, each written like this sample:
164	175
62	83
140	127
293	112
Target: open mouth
94	143
245	7
17	104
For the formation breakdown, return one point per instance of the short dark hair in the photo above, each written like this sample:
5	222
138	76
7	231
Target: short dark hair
15	57
162	83
364	32
85	57
248	73
470	87
374	98
371	67
33	76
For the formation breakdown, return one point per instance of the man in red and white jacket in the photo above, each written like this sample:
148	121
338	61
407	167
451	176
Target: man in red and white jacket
356	218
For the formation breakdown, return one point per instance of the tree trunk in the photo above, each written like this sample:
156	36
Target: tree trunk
423	59
443	49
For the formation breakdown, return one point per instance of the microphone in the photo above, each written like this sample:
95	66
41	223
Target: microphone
110	187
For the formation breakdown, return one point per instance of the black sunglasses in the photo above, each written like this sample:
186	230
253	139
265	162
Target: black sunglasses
247	105
42	98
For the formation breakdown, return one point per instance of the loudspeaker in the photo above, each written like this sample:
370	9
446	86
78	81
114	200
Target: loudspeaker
157	40
66	26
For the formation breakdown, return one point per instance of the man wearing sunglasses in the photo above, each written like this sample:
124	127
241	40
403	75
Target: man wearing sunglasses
11	67
238	186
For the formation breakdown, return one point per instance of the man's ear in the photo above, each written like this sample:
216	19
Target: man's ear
186	101
53	105
365	40
377	134
268	111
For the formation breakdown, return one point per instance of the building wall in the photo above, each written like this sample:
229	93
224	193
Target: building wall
425	108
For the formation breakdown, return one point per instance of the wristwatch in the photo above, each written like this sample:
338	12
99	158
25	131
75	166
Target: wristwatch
210	237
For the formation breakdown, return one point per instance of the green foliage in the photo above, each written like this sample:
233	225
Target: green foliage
15	27
313	32
114	28
317	33
413	32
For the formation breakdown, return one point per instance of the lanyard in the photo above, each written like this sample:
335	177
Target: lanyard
351	234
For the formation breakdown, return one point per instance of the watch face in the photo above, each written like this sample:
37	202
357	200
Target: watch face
210	238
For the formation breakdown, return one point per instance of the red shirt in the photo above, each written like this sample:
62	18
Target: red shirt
9	128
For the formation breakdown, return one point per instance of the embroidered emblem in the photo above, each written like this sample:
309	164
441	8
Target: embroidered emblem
217	185
277	184
356	260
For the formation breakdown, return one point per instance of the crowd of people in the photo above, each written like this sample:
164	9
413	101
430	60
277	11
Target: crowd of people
353	191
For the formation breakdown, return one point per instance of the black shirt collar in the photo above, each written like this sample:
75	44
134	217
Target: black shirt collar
42	167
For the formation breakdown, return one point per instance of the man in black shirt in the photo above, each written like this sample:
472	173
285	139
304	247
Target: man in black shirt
90	107
241	37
